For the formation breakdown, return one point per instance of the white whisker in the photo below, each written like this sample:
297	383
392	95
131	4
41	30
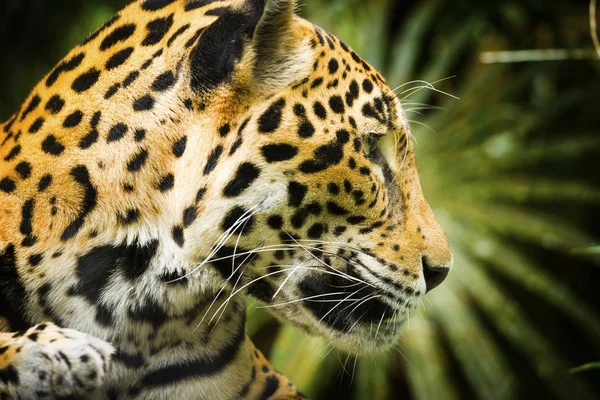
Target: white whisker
232	228
430	86
248	284
364	299
233	271
401	353
356	322
353	369
379	326
225	236
304	299
350	277
340	302
326	354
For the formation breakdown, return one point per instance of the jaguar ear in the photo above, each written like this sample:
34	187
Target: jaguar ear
278	51
257	40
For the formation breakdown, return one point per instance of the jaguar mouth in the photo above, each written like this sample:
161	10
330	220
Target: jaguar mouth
340	305
357	316
352	306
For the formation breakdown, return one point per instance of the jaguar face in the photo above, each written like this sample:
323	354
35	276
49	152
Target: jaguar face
354	245
325	220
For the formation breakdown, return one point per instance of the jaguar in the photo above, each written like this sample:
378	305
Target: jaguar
186	156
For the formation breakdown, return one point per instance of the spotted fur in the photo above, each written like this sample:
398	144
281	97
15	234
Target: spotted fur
187	154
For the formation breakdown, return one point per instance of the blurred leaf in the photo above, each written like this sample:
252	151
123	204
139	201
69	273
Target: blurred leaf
482	361
372	381
593	250
507	318
306	360
505	260
256	318
429	371
409	43
585	367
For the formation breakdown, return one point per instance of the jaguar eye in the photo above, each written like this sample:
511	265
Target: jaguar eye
370	143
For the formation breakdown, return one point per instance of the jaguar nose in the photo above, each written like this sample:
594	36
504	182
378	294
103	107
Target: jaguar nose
434	274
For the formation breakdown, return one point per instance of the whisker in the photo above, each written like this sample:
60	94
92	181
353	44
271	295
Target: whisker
340	302
401	353
224	283
353	369
413	82
324	242
356	322
412	121
233	268
326	354
345	286
342	245
339	313
417	110
233	271
364	301
304	299
325	271
225	236
248	284
346	363
379	326
221	290
430	86
327	265
287	278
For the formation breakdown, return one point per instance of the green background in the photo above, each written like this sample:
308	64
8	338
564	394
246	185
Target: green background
511	170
